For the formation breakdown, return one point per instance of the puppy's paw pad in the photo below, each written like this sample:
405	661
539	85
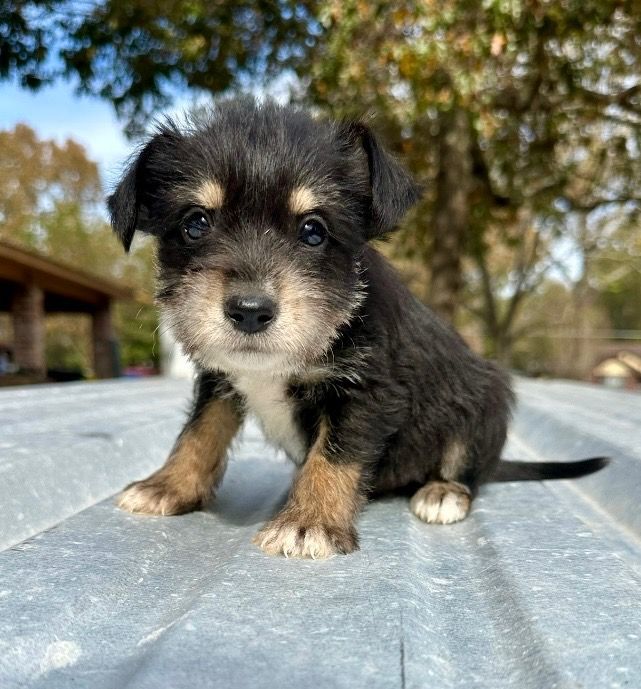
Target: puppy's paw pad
154	496
317	542
441	502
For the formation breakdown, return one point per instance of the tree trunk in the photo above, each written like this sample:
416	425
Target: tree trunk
503	349
451	212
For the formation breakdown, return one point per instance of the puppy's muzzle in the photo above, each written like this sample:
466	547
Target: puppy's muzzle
251	313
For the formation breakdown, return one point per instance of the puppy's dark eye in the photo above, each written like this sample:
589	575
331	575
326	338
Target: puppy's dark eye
195	226
312	231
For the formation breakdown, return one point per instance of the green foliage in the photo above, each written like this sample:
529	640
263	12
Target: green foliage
622	301
538	82
68	343
25	40
616	270
137	326
139	54
40	178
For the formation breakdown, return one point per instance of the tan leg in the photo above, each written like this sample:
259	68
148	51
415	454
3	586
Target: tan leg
318	519
441	502
195	466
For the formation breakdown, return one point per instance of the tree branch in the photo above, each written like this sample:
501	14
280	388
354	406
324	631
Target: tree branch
599	203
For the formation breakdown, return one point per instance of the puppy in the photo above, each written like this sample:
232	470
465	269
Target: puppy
263	217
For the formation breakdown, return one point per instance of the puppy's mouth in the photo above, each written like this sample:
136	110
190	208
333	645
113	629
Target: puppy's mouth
257	351
264	344
251	348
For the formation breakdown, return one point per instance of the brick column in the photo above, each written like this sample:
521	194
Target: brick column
27	311
105	362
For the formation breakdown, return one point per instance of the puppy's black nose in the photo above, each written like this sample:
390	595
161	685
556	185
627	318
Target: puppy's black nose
251	314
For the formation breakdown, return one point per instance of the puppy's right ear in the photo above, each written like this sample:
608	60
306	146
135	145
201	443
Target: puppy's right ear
393	189
130	198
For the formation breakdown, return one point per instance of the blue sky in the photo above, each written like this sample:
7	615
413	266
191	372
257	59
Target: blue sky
56	112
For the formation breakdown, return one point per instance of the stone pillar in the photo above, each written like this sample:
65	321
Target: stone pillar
27	310
105	363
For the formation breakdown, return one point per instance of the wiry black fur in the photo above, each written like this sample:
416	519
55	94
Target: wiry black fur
396	386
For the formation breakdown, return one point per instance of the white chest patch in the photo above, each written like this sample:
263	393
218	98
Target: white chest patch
266	398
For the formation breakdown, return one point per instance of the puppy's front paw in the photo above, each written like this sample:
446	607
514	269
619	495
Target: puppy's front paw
441	502
291	538
156	495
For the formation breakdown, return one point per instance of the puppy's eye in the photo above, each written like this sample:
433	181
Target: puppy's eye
195	226
312	231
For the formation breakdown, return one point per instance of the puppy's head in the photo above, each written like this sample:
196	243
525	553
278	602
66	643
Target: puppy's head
261	214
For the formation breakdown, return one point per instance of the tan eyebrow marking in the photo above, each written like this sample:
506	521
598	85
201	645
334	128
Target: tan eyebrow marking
209	194
301	200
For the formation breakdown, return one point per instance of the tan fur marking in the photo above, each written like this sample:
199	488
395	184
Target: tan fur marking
453	461
318	520
441	502
195	466
209	194
302	200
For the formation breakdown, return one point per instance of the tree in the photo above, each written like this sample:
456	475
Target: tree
36	177
495	104
50	200
557	339
502	277
139	55
612	263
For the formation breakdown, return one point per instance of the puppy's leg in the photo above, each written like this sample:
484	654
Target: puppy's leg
318	519
195	466
449	500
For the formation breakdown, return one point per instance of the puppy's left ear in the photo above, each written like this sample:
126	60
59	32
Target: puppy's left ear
394	191
128	205
123	206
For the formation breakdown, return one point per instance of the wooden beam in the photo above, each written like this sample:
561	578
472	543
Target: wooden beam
27	267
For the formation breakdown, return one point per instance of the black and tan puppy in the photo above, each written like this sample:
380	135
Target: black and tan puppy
263	217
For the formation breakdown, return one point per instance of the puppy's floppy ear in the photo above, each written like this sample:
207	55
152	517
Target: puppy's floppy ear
128	202
394	191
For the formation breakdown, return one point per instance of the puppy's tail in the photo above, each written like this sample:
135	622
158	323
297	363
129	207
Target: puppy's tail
541	471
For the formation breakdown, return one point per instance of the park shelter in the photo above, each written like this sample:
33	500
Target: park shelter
33	285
